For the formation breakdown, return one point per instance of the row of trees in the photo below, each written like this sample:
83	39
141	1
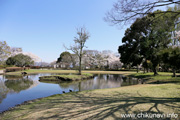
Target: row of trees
153	41
92	59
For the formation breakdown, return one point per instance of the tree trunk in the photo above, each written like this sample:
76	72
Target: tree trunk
155	71
144	70
129	67
80	65
79	86
174	73
137	69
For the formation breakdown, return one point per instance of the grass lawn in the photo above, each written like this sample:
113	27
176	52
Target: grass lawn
101	104
163	77
32	71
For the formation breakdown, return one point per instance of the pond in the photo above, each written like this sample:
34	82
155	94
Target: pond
18	89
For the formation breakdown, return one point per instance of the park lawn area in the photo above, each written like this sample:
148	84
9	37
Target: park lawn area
101	104
71	77
163	77
34	71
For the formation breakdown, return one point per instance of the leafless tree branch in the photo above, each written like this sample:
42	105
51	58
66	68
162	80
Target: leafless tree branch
126	11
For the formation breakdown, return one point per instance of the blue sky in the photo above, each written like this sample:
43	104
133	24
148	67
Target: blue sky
43	26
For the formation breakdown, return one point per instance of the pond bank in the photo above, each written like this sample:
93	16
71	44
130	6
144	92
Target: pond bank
66	77
102	103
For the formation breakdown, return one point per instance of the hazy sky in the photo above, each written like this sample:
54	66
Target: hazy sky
43	26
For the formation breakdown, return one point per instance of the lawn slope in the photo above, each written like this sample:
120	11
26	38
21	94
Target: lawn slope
101	104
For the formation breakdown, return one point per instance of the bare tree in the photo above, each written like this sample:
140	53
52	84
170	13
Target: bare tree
80	41
126	11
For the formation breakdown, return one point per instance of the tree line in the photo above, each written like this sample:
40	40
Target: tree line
92	59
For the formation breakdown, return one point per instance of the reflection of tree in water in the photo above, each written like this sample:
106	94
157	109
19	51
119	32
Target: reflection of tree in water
102	81
3	90
129	81
13	83
107	81
34	76
73	85
18	85
115	77
13	77
99	82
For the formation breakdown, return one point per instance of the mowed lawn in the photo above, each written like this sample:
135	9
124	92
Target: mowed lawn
35	71
101	104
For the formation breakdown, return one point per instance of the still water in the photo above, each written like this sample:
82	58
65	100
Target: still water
17	89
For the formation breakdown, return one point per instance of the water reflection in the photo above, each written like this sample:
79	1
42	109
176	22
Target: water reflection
73	85
13	77
104	81
11	84
98	82
18	85
3	89
17	89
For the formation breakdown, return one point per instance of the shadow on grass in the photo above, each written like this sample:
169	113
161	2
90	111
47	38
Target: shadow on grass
87	107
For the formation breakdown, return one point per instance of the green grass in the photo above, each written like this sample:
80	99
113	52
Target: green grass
101	104
33	71
71	77
163	77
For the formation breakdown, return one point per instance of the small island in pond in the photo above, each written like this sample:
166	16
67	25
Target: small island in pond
72	77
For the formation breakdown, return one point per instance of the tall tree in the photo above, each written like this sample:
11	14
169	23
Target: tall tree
131	50
80	41
159	37
145	39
